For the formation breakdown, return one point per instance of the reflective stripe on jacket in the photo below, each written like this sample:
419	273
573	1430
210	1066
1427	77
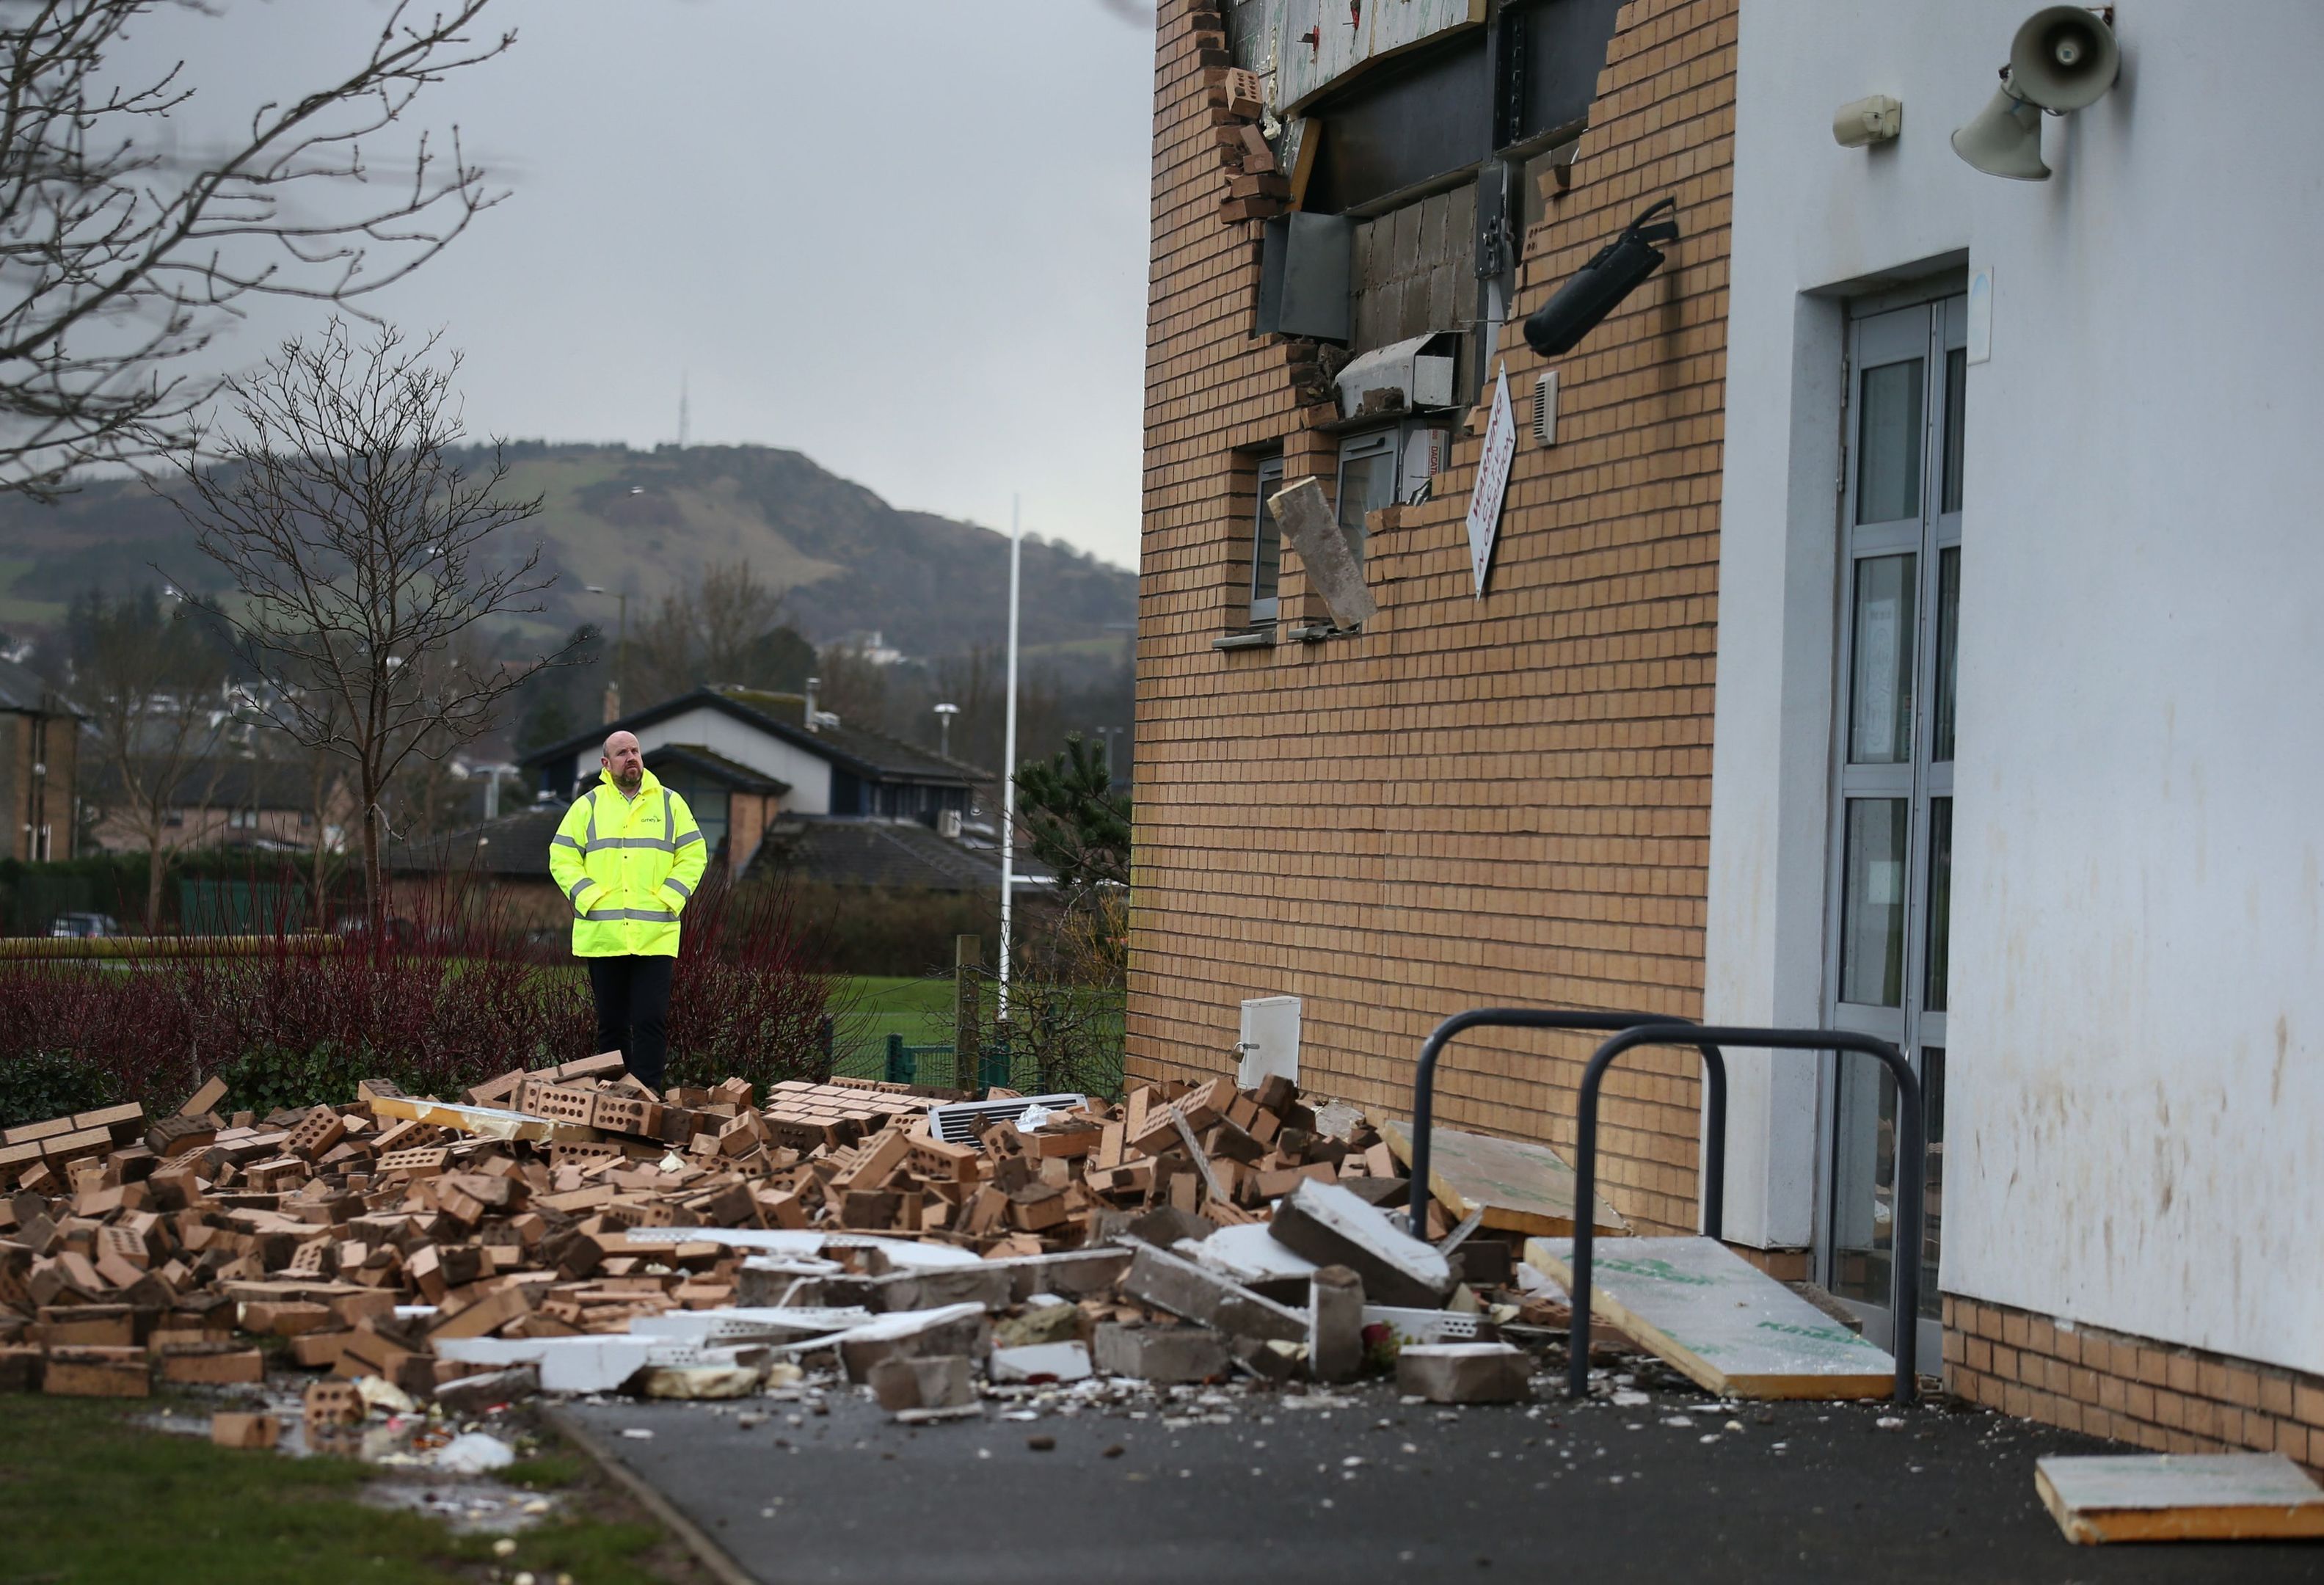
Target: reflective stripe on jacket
627	865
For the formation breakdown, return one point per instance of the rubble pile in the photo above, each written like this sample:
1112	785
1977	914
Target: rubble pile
568	1230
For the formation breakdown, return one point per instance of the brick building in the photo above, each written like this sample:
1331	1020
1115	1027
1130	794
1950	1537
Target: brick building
1471	800
1999	770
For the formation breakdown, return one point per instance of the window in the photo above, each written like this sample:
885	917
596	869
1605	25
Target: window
1266	544
1889	968
1367	482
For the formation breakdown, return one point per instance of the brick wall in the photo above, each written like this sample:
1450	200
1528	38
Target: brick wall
1503	801
2133	1390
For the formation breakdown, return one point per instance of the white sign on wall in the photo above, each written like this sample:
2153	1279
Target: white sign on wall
1492	481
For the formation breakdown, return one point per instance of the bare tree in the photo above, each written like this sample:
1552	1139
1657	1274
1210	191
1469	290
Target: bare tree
726	629
360	553
855	686
152	685
737	611
117	258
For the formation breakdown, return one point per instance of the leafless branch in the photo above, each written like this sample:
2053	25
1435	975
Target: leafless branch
117	260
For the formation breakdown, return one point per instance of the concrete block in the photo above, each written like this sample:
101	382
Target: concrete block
1184	1288
585	1363
1075	1274
938	1381
1330	1226
473	1394
1160	1353
1253	1257
1069	1362
988	1283
953	1328
1335	1327
1464	1373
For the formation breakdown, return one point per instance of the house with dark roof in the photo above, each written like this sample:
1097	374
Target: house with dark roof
894	855
723	748
39	762
827	806
227	801
504	860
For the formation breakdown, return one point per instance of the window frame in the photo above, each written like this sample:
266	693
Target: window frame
1266	545
1880	334
1387	441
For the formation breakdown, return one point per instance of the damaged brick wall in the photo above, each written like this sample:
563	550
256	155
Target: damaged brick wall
1469	802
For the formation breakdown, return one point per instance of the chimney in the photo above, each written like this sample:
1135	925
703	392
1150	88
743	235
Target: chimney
613	703
812	684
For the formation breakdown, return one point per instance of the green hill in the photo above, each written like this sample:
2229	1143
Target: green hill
647	521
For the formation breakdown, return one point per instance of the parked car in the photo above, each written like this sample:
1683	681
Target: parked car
79	926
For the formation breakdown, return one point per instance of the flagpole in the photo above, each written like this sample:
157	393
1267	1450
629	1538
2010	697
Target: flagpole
1009	761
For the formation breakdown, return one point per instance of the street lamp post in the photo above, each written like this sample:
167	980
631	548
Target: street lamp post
621	642
945	713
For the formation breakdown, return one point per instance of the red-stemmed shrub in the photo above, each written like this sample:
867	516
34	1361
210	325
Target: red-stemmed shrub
455	995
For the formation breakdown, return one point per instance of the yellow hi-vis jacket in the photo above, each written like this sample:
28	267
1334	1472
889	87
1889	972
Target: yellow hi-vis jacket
627	865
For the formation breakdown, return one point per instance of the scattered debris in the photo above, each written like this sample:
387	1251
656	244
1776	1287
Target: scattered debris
1509	1186
245	1430
476	1453
941	1381
1732	1329
1160	1353
1327	1224
428	1263
1039	1362
2181	1497
1464	1373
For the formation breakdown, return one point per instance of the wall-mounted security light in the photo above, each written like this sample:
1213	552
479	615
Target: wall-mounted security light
1859	123
1601	285
2063	58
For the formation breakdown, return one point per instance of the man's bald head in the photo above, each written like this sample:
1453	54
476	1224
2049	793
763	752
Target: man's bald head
625	761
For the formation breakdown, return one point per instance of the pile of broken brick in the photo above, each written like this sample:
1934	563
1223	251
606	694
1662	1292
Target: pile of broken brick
566	1230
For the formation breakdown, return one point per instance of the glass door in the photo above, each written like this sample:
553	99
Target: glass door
1890	905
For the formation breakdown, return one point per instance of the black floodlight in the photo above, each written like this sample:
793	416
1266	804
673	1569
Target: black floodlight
1600	284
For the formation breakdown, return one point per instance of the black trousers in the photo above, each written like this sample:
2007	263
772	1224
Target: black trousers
633	1012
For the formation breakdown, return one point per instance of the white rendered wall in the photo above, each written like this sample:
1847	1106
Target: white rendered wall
809	775
2138	992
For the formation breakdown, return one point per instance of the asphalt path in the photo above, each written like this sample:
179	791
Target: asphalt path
1361	1486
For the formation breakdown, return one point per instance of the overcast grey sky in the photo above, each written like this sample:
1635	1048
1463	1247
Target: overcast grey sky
906	238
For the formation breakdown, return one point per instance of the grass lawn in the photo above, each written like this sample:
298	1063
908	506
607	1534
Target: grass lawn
86	1495
919	1009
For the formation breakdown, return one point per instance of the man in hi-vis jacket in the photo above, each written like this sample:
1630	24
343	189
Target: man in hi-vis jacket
627	856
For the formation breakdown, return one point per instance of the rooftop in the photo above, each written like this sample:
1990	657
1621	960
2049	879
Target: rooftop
872	755
902	854
514	845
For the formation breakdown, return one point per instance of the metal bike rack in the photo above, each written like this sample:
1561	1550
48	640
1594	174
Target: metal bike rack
1912	1169
1712	1191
